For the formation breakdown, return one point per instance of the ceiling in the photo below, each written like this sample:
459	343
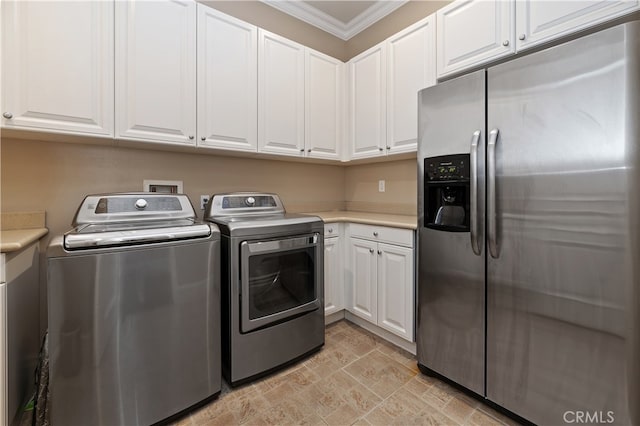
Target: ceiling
343	19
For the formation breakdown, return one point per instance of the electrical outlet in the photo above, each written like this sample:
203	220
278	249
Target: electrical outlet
204	199
380	186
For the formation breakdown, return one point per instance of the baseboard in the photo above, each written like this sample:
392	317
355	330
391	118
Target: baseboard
334	317
381	332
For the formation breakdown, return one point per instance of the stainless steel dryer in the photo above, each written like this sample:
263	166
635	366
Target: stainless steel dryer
134	311
272	283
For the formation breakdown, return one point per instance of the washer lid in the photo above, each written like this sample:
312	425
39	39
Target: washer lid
87	237
133	208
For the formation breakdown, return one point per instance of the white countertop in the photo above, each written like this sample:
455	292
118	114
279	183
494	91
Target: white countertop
382	219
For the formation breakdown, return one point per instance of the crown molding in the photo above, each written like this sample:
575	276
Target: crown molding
325	22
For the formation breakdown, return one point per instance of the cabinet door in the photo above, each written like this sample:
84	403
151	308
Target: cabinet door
323	105
364	280
396	289
280	95
541	21
412	67
333	288
367	75
474	32
227	81
156	71
57	66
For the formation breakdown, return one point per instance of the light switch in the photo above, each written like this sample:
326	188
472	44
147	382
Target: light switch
380	186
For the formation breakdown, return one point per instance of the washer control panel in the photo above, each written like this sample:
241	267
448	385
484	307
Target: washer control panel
243	203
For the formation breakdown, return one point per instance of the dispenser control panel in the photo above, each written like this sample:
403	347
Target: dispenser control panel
447	167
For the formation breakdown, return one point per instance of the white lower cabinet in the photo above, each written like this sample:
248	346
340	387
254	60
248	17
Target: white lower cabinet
333	270
380	277
395	289
4	389
364	279
19	329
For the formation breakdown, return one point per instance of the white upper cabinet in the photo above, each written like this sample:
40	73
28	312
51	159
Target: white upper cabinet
227	81
540	21
474	32
57	66
324	77
156	71
411	67
383	91
280	95
368	102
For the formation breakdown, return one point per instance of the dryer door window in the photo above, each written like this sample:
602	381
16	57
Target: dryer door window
279	280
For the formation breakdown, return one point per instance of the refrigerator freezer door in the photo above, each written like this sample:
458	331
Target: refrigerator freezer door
563	293
451	290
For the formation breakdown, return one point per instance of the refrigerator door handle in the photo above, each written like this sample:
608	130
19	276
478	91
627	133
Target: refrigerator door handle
475	244
491	193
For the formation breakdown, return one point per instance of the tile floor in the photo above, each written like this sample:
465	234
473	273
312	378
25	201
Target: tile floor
357	378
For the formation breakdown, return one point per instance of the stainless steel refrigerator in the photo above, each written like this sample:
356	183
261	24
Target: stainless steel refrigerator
529	231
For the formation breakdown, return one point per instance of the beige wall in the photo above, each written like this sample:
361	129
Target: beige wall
400	196
401	18
271	19
55	177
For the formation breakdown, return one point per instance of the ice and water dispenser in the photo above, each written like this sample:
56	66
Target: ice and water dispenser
447	192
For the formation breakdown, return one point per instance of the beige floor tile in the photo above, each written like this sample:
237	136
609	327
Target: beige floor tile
247	407
497	415
439	394
313	420
302	378
273	416
433	417
325	404
278	394
344	415
221	419
210	411
419	385
378	416
293	410
357	378
480	418
328	404
459	409
338	382
331	358
397	354
379	373
362	399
